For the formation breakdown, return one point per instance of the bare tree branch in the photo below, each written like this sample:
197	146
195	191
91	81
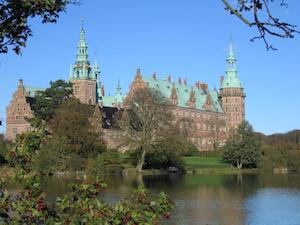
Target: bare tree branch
263	19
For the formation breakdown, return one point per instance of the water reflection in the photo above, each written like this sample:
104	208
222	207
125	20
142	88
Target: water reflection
211	199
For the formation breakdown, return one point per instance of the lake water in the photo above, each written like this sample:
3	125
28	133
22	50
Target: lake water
252	199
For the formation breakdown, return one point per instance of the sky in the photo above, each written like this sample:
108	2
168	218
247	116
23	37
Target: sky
188	39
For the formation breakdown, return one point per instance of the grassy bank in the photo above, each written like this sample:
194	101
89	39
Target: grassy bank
214	165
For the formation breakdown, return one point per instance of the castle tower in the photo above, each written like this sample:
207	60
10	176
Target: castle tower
83	75
232	93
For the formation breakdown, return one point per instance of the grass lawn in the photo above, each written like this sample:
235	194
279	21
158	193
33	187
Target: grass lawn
205	162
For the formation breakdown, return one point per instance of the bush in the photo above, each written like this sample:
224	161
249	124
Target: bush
266	164
3	161
108	162
293	160
167	153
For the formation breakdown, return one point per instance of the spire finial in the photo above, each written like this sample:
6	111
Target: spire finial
82	20
230	45
119	89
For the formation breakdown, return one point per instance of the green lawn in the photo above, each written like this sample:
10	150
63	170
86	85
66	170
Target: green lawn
205	162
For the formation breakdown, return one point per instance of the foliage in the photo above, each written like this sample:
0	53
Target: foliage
168	152
71	139
71	123
25	146
14	26
258	13
80	206
108	162
216	133
287	140
46	102
243	147
281	151
4	146
146	121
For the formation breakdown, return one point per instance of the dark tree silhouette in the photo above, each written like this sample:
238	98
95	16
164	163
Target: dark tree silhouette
14	16
258	13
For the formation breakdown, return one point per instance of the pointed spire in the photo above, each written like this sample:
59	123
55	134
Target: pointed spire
231	57
231	80
82	55
119	89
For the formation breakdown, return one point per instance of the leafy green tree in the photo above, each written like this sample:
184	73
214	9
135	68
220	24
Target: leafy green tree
71	122
146	121
243	147
72	139
46	102
166	153
15	15
4	146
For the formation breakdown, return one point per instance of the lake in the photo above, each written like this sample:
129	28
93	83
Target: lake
245	199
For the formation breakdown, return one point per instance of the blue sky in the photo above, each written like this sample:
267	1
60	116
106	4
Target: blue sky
187	39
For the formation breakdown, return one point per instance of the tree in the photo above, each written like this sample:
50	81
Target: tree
3	149
243	147
27	205
146	121
46	102
216	132
258	13
71	123
15	14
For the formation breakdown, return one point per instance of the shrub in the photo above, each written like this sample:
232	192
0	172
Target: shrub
293	160
108	162
266	164
166	153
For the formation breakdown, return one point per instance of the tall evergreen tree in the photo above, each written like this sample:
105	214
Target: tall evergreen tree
243	147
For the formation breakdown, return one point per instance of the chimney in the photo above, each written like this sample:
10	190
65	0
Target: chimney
185	82
102	90
179	80
221	80
204	87
154	76
169	78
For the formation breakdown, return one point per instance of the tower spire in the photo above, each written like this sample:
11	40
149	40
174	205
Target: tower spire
82	47
119	89
231	61
231	79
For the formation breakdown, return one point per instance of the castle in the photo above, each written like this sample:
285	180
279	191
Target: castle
206	114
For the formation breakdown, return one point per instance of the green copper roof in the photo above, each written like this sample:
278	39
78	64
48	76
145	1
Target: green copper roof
113	101
183	93
32	90
231	80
